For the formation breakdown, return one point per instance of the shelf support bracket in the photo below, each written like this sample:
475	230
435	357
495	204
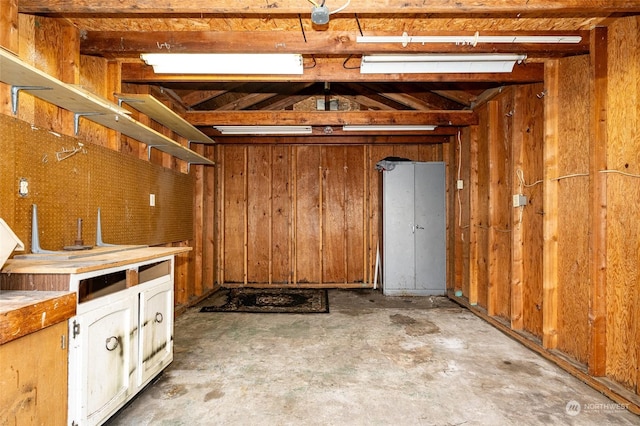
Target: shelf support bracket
35	238
128	101
99	242
15	90
76	119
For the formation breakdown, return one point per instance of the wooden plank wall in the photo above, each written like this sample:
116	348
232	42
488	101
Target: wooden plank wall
302	215
572	253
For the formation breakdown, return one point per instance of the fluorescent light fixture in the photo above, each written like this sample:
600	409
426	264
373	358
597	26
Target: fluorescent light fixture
264	130
471	40
439	63
387	128
224	63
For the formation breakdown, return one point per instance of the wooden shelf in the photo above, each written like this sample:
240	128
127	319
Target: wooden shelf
23	77
164	115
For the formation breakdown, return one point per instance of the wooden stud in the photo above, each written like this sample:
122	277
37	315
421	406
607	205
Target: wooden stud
501	112
474	198
517	237
550	257
245	222
209	225
198	218
598	199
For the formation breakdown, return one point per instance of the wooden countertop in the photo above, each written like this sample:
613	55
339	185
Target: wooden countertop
25	312
75	262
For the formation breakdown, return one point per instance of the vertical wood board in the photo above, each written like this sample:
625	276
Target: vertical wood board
258	213
573	209
623	154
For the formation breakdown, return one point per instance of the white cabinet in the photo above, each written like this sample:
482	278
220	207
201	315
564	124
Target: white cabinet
414	229
121	337
156	331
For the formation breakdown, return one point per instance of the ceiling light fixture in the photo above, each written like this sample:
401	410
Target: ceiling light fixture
264	130
439	63
224	63
387	128
471	40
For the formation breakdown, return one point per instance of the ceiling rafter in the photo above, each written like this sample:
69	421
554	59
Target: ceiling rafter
273	7
331	118
332	70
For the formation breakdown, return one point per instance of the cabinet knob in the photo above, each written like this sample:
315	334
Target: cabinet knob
159	317
112	343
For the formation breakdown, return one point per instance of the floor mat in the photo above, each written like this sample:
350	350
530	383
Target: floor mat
270	300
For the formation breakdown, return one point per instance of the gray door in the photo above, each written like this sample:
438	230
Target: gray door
414	229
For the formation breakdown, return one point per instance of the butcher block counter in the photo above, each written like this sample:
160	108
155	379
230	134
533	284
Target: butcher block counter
79	261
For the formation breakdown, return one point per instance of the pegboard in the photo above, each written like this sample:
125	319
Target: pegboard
68	189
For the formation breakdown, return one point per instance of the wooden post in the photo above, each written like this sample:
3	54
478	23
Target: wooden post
473	217
245	222
550	251
221	213
517	241
198	225
494	274
598	199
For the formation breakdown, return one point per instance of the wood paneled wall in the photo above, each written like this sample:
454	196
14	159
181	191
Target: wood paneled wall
561	274
302	215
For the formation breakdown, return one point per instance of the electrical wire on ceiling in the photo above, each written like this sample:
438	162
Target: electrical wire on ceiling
341	8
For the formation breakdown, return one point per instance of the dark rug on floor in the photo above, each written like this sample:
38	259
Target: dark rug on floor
270	300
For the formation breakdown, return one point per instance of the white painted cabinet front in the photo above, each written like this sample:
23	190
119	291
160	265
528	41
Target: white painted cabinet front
121	337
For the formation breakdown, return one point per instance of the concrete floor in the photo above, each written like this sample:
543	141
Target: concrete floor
373	360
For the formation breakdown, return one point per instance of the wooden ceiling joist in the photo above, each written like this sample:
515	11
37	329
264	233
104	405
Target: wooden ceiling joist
132	44
331	118
334	71
361	7
333	140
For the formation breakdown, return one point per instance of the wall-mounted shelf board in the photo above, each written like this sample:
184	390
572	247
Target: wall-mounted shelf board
26	78
164	115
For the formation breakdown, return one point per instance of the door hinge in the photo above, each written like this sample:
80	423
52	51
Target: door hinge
76	329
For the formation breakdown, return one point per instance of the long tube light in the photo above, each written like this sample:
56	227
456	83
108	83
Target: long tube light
471	40
264	130
439	63
224	63
387	128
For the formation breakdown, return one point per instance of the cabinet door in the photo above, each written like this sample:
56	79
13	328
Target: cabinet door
156	328
33	378
398	264
430	235
102	360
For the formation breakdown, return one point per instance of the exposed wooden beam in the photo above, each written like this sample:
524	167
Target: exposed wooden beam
330	118
132	44
333	140
200	96
335	71
273	7
411	97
